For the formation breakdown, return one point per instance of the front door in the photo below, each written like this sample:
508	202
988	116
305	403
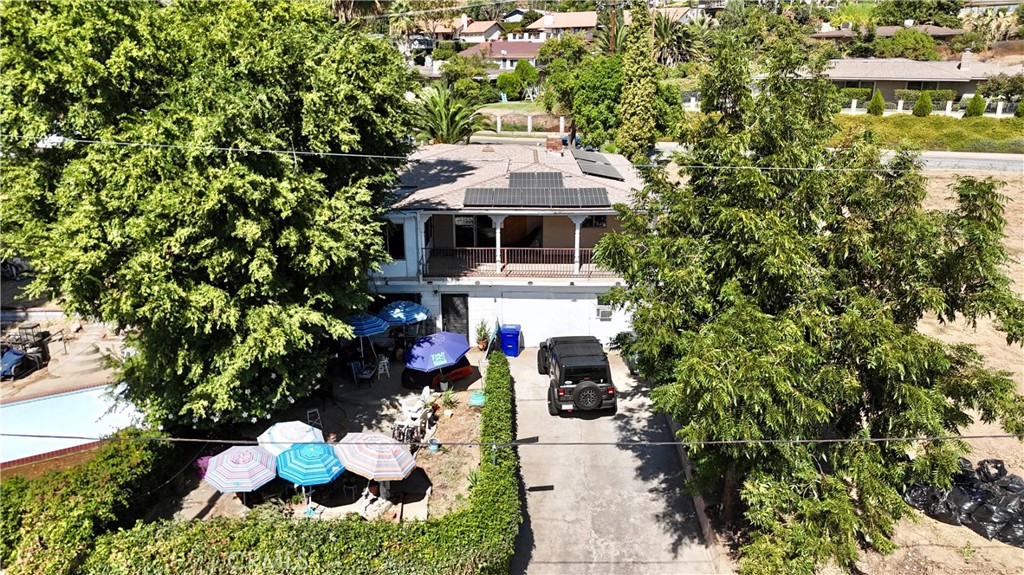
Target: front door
455	313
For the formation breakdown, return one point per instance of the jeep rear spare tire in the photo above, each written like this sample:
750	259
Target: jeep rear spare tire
587	395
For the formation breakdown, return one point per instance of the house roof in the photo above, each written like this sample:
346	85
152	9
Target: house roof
889	31
673	13
439	175
447	26
900	69
555	20
514	50
480	27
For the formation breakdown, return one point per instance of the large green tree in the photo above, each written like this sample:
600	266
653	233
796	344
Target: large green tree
561	59
229	269
896	12
639	87
596	105
775	296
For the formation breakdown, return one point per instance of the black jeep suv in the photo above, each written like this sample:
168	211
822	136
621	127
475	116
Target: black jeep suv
580	378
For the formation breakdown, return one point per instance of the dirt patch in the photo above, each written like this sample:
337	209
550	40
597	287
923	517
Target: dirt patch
450	468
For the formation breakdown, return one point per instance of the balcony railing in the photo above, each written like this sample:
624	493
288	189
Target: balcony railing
515	262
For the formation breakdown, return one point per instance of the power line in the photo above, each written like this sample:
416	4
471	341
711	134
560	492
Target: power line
531	441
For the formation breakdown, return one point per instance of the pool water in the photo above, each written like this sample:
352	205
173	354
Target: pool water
87	413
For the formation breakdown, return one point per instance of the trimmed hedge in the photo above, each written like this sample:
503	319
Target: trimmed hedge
478	539
910	97
860	94
985	134
49	523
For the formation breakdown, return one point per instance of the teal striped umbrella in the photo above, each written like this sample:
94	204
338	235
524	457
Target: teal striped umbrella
309	464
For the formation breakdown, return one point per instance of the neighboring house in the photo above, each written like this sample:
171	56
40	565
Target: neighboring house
516	15
847	34
482	31
505	54
891	74
445	29
556	25
506	233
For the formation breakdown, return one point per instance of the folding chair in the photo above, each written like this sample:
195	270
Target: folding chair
313	418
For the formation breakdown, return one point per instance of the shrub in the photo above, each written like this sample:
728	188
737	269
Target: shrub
859	94
1003	86
527	73
923	106
443	53
877	105
909	97
907	43
511	84
976	107
1019	113
942	95
51	522
477	539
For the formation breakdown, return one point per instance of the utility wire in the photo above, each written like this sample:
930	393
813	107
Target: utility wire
434	158
522	442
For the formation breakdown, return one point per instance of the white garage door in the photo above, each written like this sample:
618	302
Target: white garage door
547	315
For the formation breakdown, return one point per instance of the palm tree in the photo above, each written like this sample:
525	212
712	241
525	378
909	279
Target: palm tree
445	119
695	38
666	39
602	38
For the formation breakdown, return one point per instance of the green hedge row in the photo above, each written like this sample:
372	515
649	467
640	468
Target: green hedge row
48	524
909	97
478	539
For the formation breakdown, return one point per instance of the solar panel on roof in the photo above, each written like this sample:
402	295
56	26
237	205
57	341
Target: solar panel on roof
535	180
601	170
583	155
535	197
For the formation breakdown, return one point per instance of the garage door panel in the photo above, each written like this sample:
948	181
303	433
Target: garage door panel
546	315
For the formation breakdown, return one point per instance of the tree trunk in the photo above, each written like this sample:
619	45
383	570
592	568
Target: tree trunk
730	494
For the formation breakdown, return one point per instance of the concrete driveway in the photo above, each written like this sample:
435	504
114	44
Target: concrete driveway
601	508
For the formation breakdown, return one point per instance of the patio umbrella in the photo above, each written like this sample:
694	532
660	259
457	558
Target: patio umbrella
403	313
309	464
241	468
365	325
375	456
436	351
282	435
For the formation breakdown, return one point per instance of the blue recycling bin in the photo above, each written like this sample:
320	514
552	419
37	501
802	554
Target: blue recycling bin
509	335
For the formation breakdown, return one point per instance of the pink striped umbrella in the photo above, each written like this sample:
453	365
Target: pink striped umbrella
241	468
375	456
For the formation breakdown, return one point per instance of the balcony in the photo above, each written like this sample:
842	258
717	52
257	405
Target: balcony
515	262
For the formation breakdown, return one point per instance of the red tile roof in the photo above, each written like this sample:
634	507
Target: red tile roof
493	49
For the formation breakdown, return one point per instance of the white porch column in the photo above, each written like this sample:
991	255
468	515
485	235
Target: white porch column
421	244
498	222
578	221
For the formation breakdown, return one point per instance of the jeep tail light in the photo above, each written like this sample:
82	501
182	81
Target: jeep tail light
561	392
611	391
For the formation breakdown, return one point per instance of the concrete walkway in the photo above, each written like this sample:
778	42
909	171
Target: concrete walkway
600	509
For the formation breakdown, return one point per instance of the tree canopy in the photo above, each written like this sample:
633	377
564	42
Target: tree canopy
639	87
778	300
228	269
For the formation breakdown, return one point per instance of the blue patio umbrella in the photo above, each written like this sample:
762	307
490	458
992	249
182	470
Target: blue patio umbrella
309	464
365	325
403	313
436	351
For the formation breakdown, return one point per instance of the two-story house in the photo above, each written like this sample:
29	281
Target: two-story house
506	233
505	55
556	25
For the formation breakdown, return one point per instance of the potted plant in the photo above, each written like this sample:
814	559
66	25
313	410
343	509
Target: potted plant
482	335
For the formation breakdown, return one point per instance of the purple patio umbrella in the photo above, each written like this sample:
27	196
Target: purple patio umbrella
436	351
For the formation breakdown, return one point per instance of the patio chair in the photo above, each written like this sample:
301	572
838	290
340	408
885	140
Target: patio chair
362	374
383	365
313	418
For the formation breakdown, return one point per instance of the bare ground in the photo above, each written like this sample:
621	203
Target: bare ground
449	468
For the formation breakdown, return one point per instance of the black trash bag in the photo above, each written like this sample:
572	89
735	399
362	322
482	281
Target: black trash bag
966	475
966	499
920	497
1010	483
986	530
991	470
946	512
997	510
1012	533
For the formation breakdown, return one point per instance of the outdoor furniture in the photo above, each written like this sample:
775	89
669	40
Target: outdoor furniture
366	325
313	418
363	374
383	366
280	436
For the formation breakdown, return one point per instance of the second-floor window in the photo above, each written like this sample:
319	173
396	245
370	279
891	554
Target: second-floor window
394	240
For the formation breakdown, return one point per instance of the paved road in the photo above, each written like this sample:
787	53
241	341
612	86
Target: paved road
601	509
932	160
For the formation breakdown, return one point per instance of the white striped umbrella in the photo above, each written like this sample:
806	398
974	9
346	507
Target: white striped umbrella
283	435
375	456
241	468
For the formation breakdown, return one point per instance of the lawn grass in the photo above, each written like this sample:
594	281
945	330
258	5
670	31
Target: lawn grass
1005	135
524	107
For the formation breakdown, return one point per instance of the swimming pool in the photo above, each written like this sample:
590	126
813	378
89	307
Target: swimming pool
85	413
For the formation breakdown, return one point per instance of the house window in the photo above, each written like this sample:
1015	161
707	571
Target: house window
595	222
856	84
922	86
394	240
